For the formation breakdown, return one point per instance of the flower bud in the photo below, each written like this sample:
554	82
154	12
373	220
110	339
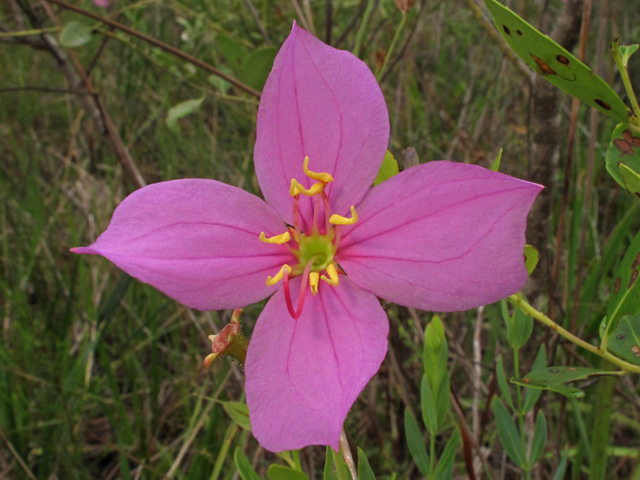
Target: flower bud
405	5
229	341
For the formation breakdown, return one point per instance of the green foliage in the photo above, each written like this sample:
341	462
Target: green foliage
508	433
519	326
416	443
624	149
531	257
364	469
278	472
182	110
388	169
75	34
557	378
625	340
239	413
626	52
556	64
244	466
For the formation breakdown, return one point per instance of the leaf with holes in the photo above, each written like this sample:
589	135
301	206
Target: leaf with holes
556	64
625	340
624	149
557	378
625	296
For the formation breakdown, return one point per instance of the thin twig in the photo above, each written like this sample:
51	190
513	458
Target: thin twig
256	17
157	43
301	17
18	457
346	453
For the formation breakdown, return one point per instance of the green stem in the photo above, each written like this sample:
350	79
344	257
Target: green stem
516	371
363	27
432	458
24	33
391	47
518	301
624	74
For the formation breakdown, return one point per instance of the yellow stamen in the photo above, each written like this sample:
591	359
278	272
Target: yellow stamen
333	274
278	239
278	277
297	189
314	279
339	220
321	177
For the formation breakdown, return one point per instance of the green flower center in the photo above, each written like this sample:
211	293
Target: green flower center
317	248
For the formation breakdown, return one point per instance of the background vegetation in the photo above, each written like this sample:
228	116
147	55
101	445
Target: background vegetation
101	376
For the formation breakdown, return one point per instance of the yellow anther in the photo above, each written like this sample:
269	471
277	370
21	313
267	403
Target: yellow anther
338	220
278	239
279	275
314	279
333	275
297	189
321	177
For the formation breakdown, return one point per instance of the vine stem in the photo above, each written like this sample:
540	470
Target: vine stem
624	74
519	302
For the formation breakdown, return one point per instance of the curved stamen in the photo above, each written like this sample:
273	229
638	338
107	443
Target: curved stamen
333	275
340	220
321	177
277	239
297	189
284	272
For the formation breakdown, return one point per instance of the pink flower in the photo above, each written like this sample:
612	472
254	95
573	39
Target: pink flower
102	3
440	236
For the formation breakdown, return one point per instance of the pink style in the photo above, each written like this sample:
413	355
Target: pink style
325	245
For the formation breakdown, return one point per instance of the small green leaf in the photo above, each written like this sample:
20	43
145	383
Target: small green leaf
443	402
624	148
257	66
329	472
244	466
624	299
539	439
559	475
531	257
234	53
533	394
416	443
278	472
182	110
436	353
625	340
444	469
341	466
219	82
511	441
626	52
75	34
556	64
521	329
239	413
630	178
557	378
364	469
502	382
429	414
388	169
496	163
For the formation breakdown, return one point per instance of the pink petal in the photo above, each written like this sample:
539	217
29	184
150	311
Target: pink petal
303	375
197	241
322	103
441	236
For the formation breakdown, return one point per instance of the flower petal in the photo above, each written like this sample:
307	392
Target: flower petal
197	241
441	236
303	375
322	103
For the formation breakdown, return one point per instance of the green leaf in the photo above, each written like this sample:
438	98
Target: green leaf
364	469
436	353
496	163
444	469
329	473
429	414
556	64
75	34
257	66
278	472
531	257
624	148
630	178
625	340
234	53
521	328
182	110
416	443
219	82
341	467
502	382
239	413
533	394
443	402
557	378
244	466
625	299
559	475
626	52
511	441
388	169
539	439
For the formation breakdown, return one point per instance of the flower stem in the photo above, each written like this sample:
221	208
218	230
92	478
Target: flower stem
363	27
346	453
519	302
624	74
391	47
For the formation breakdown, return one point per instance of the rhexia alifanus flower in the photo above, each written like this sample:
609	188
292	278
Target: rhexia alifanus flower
440	236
